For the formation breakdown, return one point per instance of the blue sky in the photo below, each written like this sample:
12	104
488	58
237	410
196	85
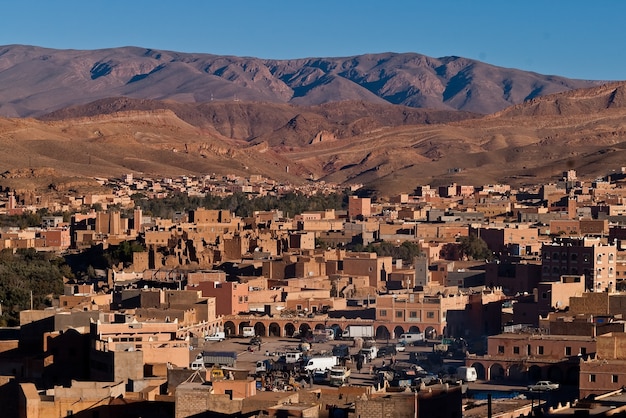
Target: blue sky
573	38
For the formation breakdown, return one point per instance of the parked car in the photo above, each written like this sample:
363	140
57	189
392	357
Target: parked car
543	386
386	350
400	347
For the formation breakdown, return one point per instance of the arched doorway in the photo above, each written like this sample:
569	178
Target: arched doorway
274	330
480	370
414	329
290	329
259	329
320	326
430	332
229	329
382	333
304	330
496	372
398	331
517	372
534	373
555	374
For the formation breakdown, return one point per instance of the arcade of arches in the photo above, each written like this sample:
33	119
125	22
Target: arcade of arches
287	327
565	372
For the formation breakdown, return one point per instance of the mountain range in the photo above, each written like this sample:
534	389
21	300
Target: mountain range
35	81
109	112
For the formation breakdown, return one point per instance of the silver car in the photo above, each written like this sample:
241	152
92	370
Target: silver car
543	386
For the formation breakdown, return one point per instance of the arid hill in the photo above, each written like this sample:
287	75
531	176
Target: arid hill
35	81
276	124
526	144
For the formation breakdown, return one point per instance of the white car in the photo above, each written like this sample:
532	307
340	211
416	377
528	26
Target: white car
400	347
543	386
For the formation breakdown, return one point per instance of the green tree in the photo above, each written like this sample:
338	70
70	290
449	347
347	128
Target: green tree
475	248
24	272
407	251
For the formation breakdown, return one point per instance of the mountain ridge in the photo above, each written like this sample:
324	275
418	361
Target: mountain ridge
35	81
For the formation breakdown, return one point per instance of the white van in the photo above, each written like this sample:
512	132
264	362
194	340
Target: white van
218	336
466	374
293	357
411	338
321	363
370	353
198	363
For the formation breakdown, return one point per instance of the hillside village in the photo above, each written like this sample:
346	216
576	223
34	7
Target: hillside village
527	284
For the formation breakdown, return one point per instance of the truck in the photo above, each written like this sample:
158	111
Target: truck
412	338
339	376
358	331
221	358
264	366
291	357
466	374
321	363
248	332
341	351
370	353
323	335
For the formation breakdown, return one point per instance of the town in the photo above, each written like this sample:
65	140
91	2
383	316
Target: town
398	306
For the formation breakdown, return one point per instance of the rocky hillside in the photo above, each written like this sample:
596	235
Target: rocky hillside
342	143
35	81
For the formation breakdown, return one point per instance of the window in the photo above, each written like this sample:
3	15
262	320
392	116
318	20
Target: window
540	350
568	351
592	378
299	307
430	315
544	295
500	349
398	314
413	314
614	378
583	351
515	350
383	312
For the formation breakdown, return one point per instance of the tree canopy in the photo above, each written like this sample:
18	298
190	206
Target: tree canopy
240	203
26	271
